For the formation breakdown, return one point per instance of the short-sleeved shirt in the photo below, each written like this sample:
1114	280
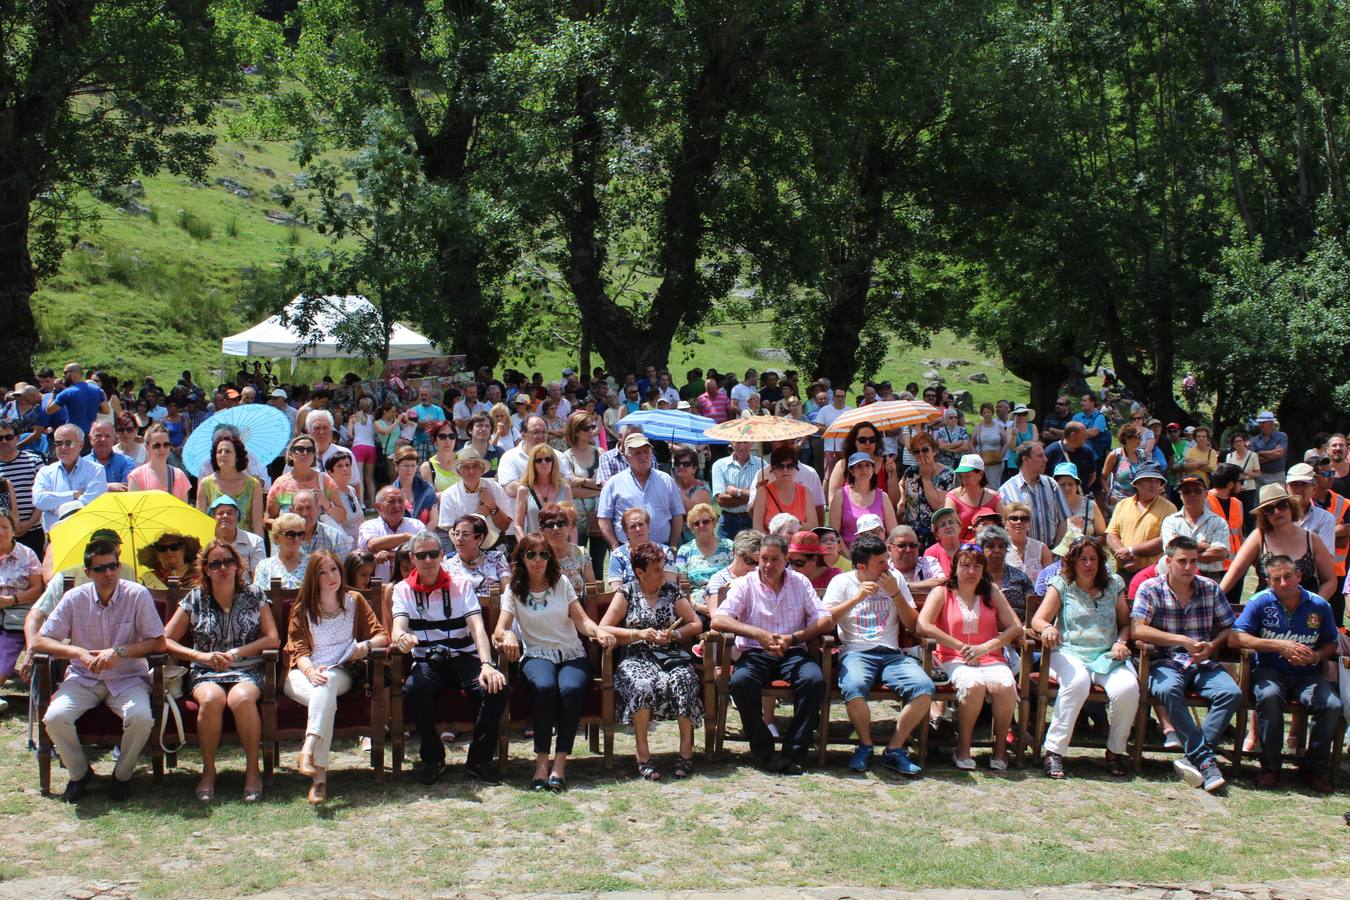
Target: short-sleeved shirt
487	570
728	472
1312	624
825	416
438	615
1272	470
377	528
698	568
792	607
873	622
81	402
1207	613
22	471
15	568
1101	444
1210	528
1048	507
544	622
659	497
117	468
1134	525
128	618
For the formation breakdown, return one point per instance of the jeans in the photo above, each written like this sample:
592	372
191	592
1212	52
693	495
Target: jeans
425	684
73	700
731	524
1270	688
757	668
1075	681
899	671
559	689
321	701
1168	683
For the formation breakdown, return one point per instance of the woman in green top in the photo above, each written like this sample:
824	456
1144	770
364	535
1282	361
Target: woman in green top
229	477
1084	623
439	469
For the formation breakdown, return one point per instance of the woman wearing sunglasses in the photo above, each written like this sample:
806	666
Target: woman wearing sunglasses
287	561
704	556
157	474
866	438
231	625
304	475
541	626
556	522
541	485
1277	534
783	493
171	556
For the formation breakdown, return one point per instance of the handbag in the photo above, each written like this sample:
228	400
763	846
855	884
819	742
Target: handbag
14	617
174	677
672	659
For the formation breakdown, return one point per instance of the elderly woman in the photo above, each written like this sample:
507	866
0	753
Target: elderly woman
784	493
650	618
287	561
301	456
341	467
1025	552
1084	515
989	441
439	469
744	560
157	474
704	556
1277	534
20	586
579	464
231	625
484	568
1119	466
229	478
556	521
925	487
972	494
331	629
419	497
541	485
947	526
171	556
542	624
1084	621
1011	580
858	497
972	623
636	524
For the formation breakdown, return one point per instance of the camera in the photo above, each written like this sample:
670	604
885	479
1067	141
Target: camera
439	655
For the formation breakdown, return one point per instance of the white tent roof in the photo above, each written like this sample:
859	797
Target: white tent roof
272	339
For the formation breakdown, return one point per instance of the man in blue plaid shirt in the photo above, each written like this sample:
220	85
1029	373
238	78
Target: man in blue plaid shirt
1187	619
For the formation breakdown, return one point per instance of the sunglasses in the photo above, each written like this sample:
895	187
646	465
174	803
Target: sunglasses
922	451
1019	518
544	461
171	547
306	451
444	436
106	567
553	526
700	523
160	445
6	438
293	535
216	565
785	467
865	439
586	428
538	554
73	443
797	563
424	555
1281	506
684	464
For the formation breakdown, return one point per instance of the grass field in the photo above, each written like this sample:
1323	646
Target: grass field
154	294
727	827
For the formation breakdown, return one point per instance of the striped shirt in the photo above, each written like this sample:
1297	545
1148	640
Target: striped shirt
21	472
1200	619
439	615
1048	509
713	406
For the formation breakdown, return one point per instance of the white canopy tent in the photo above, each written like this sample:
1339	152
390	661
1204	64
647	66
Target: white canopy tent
272	339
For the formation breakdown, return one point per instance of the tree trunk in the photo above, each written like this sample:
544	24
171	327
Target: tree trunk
1296	41
1042	368
19	336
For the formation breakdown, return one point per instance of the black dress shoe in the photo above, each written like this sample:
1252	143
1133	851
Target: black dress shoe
539	785
431	771
778	764
119	790
485	772
556	785
77	786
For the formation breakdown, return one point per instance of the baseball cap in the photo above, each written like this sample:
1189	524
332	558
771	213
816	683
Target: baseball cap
231	394
1171	425
569	371
222	500
1313	458
1191	478
822	530
1300	473
633	441
985	512
971	462
860	457
1148	470
868	522
279	394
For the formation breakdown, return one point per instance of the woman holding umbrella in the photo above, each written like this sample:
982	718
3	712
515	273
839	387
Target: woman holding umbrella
172	556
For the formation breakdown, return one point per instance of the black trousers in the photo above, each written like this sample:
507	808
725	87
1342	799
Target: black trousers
424	687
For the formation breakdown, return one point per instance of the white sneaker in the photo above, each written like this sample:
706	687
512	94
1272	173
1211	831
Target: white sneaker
1189	773
964	763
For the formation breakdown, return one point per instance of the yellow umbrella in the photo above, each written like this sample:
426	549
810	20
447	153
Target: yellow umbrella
760	428
890	415
140	517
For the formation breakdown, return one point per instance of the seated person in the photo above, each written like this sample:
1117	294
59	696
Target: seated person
112	672
806	556
869	605
1186	619
1293	632
772	612
451	650
636	525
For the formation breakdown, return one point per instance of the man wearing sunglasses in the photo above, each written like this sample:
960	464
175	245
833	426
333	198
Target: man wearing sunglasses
21	468
105	629
71	477
437	618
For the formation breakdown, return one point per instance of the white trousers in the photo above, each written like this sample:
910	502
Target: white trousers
73	700
322	700
1122	691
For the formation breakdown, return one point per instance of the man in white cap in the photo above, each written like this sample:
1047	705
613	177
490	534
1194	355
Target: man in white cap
1301	482
1270	447
642	485
278	401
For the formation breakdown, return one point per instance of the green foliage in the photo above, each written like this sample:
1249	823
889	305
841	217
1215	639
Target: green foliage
199	230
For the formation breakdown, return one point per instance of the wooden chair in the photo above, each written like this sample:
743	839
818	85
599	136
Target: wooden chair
453	707
362	712
100	726
1295	709
721	646
188	707
1238	664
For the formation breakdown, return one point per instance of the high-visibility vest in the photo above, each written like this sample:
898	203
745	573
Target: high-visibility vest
1339	507
1233	516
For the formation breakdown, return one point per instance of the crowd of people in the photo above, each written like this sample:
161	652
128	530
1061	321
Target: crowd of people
1091	537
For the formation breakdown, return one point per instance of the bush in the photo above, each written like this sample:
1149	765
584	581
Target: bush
196	227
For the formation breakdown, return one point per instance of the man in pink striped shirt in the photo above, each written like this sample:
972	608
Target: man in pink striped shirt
713	402
774	611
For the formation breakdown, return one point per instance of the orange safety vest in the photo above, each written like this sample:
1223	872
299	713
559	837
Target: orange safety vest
1233	516
1339	507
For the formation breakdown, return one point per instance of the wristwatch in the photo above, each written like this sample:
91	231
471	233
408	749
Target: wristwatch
122	651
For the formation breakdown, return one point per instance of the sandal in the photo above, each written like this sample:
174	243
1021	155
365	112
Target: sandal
1054	766
684	767
648	771
1115	764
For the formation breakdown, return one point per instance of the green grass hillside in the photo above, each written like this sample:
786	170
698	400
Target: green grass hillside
153	292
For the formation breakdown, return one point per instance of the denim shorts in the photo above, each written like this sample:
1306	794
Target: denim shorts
899	671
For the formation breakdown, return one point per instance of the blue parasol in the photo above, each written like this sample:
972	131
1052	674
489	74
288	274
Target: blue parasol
264	430
671	425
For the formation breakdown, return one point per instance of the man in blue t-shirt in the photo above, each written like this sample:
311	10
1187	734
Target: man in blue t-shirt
80	399
1098	431
1292	632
